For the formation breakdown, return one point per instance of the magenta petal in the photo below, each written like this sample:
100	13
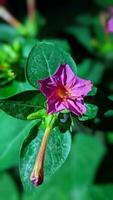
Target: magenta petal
82	87
109	27
76	106
47	86
64	90
54	104
64	74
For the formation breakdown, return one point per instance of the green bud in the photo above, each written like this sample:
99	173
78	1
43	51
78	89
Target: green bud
37	115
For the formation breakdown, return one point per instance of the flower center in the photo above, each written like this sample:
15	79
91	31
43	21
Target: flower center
62	92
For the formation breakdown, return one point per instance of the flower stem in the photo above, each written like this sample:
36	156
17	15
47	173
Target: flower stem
8	17
103	17
37	173
31	7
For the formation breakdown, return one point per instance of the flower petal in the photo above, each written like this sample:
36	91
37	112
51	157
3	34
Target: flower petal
47	86
54	104
81	87
109	27
64	74
65	80
76	106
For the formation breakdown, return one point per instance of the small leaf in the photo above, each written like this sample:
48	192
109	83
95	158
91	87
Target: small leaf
23	104
57	150
91	112
110	137
108	113
43	61
93	91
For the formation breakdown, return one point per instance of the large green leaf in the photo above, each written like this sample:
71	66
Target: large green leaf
61	43
14	88
22	104
43	61
102	192
27	45
47	193
30	43
12	134
8	189
57	150
75	177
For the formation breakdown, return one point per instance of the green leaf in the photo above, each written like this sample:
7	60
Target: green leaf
91	112
12	134
91	70
93	91
108	113
110	97
85	19
110	137
61	43
22	104
86	154
27	45
7	33
104	3
43	61
8	189
77	174
85	38
102	192
57	150
47	193
14	88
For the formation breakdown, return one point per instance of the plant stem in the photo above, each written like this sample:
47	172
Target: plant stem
8	17
31	7
37	173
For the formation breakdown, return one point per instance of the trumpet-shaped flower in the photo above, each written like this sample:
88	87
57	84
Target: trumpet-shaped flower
65	90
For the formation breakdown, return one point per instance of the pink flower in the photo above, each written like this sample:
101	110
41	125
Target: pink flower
64	90
109	25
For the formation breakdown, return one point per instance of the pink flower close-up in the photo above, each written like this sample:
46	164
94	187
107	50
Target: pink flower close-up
65	90
109	24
